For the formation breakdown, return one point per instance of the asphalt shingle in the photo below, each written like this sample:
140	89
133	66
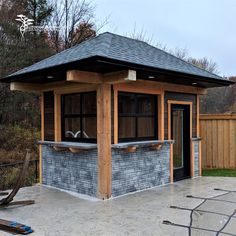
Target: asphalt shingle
120	48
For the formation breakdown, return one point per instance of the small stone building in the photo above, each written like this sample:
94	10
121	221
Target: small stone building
118	116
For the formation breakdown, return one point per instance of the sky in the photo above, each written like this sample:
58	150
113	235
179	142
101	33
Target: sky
205	28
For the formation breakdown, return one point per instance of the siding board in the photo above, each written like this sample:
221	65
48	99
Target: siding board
218	133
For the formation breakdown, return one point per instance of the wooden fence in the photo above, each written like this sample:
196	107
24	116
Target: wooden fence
218	134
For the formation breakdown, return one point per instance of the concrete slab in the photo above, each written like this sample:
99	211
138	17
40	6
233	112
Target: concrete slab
58	213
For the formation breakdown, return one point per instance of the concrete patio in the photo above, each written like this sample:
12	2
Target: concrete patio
59	213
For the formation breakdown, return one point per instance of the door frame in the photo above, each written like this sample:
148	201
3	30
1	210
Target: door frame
190	104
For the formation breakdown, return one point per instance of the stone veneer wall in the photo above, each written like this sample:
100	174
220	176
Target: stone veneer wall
140	170
196	158
74	172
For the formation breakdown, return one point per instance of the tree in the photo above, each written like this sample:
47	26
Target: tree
76	21
219	100
17	52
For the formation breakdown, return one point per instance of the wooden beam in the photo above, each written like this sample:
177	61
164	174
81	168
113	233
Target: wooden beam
159	87
57	117
78	79
138	87
16	86
104	140
83	77
120	77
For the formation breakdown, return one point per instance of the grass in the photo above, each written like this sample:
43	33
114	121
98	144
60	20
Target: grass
219	172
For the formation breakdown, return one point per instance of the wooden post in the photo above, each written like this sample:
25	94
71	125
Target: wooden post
104	140
42	138
115	116
161	114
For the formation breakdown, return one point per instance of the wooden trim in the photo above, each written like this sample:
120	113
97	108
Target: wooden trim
115	116
57	117
161	117
104	140
83	77
171	102
132	88
75	88
217	117
137	87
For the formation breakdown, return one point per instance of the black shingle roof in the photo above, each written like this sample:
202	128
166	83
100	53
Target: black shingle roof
120	48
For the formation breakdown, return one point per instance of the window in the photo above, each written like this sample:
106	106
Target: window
79	119
48	116
137	116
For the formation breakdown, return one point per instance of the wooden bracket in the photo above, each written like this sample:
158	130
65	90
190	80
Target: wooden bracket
156	147
75	150
130	149
59	149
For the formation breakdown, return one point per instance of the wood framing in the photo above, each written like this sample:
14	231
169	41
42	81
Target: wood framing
58	87
161	116
120	77
17	86
84	77
115	107
173	102
117	78
104	140
139	89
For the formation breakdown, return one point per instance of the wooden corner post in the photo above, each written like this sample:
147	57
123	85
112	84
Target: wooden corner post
104	140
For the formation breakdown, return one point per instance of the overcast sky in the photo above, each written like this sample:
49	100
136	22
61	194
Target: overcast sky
203	27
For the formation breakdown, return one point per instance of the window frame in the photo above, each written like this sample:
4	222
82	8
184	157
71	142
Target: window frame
80	116
136	115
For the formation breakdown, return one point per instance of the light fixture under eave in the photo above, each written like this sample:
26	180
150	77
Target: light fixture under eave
50	77
151	77
194	83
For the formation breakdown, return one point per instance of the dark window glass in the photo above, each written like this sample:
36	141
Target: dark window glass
89	103
72	104
127	127
79	119
137	116
49	116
